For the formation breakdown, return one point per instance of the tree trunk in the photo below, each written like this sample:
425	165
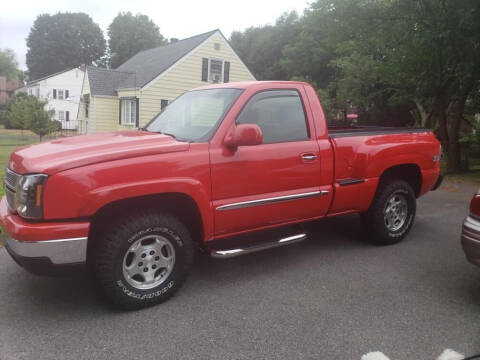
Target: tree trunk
454	120
425	116
453	155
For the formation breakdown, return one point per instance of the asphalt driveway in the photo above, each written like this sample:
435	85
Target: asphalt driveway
331	297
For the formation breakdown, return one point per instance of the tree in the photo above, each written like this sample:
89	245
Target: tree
41	122
129	34
8	64
19	111
63	41
261	48
422	54
27	112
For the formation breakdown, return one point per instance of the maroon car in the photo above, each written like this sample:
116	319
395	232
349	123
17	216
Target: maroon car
471	232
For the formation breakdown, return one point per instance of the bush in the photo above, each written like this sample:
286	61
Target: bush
57	125
26	112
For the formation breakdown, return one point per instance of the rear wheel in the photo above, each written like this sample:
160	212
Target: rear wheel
391	214
142	259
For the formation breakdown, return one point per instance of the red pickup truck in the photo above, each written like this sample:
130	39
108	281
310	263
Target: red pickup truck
230	168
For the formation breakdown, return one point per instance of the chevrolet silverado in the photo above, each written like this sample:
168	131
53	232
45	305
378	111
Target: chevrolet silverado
230	168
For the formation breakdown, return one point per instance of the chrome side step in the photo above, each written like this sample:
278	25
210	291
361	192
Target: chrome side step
229	253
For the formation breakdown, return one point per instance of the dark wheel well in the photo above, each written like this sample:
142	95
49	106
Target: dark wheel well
407	172
182	206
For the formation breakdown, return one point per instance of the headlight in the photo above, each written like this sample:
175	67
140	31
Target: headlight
29	196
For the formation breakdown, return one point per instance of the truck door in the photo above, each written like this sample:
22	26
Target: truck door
274	182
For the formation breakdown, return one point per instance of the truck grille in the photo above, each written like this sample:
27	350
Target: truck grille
11	181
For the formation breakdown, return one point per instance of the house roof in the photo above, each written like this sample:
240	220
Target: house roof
49	76
143	67
105	81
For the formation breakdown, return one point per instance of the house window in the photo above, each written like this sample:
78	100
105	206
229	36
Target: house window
60	94
67	115
37	92
54	93
163	104
128	111
66	94
61	115
215	71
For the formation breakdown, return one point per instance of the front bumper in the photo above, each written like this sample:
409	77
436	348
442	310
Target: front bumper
50	248
49	257
471	239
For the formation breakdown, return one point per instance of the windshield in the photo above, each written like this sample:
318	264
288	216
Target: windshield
195	115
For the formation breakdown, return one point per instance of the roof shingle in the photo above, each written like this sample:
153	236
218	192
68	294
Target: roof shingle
143	67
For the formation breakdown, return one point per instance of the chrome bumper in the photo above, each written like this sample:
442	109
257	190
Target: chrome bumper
59	252
471	239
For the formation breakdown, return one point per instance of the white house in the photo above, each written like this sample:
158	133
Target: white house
62	90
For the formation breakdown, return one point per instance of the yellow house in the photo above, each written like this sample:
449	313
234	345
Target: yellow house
131	95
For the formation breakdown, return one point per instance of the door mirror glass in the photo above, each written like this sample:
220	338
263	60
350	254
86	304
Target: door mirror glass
243	135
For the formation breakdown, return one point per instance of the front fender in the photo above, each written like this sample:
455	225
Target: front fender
81	192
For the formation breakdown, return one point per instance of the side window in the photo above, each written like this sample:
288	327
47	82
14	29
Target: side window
279	113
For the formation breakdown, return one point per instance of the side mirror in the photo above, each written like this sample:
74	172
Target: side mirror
244	134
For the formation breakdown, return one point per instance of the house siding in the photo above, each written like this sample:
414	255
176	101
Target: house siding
104	114
128	93
187	74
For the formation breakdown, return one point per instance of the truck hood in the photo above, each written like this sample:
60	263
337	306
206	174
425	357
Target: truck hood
67	153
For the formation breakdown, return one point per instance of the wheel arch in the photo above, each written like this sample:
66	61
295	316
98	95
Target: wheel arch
410	173
181	205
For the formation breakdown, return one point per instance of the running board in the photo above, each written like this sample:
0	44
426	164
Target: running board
229	253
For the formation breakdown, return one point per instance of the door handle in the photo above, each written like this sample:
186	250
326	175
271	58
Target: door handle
309	157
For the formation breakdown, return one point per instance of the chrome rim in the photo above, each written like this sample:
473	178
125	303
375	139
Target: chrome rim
395	212
148	262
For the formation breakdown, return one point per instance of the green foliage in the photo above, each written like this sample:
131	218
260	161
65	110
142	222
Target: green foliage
262	47
8	64
26	112
129	34
63	41
3	114
41	122
19	110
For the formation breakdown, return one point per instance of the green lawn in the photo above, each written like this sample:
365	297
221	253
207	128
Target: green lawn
472	176
9	141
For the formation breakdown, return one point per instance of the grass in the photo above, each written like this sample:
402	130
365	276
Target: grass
9	141
471	176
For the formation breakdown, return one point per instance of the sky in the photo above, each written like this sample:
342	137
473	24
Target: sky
175	18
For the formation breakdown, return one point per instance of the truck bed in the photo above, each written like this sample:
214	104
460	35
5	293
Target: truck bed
337	131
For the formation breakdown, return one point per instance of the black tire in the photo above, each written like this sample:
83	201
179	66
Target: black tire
380	231
118	238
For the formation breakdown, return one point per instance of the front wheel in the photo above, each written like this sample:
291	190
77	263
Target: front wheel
142	259
391	214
